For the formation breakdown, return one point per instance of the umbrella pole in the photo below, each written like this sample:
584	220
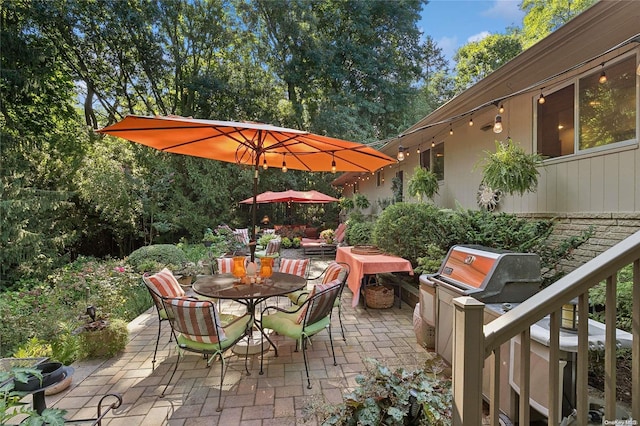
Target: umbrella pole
254	208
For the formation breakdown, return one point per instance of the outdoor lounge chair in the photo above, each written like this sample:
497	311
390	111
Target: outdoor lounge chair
312	246
333	271
307	320
197	328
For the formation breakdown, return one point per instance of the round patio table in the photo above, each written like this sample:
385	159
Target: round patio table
226	286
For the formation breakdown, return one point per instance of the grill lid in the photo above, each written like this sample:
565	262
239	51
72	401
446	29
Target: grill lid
468	266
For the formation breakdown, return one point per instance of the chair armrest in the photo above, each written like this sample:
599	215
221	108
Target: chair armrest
276	308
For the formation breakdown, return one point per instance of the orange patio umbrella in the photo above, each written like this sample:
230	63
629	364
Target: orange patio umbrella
254	144
292	196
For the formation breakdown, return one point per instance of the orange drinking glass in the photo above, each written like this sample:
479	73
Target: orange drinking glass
239	270
266	267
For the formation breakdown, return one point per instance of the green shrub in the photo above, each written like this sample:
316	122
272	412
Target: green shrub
264	240
430	263
286	242
359	233
49	310
406	229
105	342
163	254
624	299
392	397
295	242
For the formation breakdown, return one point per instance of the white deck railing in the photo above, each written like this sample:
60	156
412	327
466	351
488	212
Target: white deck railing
473	342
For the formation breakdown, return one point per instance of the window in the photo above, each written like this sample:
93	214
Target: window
587	115
437	160
425	159
434	157
380	178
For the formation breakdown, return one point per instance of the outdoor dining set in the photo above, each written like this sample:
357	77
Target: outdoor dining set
198	325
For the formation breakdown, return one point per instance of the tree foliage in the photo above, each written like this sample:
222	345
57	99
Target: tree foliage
545	16
356	70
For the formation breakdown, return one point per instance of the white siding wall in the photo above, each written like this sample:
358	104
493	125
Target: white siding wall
603	182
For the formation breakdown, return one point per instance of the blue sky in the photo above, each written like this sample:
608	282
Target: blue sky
453	23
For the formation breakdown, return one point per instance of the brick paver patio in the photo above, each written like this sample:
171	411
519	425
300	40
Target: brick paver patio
279	397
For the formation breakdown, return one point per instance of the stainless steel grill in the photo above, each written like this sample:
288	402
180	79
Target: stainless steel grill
489	275
486	274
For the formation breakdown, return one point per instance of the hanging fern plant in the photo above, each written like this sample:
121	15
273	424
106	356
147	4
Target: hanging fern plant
424	183
510	169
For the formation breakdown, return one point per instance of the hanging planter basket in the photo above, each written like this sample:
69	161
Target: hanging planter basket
510	169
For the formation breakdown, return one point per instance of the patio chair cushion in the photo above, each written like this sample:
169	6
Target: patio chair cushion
294	266
316	289
165	284
334	271
225	265
233	330
340	233
287	324
199	326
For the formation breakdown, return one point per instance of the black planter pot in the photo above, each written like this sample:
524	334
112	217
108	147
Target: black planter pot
52	372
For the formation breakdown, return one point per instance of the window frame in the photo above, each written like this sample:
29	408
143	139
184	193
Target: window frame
575	81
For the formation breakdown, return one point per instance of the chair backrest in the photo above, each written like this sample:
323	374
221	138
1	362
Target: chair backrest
225	265
162	285
335	271
340	232
273	246
320	302
295	266
242	235
196	320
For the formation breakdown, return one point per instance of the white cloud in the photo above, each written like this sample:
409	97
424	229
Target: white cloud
449	46
478	37
509	10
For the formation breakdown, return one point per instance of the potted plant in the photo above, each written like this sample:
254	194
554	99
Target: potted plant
100	337
187	273
510	169
387	396
424	183
10	405
328	235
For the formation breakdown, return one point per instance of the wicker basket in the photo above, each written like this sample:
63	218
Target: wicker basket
379	296
368	250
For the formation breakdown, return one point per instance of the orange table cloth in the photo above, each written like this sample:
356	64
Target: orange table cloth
363	264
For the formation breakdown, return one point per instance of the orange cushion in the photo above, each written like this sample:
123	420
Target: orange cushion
165	284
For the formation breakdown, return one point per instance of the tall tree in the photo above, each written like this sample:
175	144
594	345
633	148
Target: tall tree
476	60
545	16
40	146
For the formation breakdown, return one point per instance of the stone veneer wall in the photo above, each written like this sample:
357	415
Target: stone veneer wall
609	229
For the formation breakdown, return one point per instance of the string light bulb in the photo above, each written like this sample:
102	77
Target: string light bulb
501	109
418	150
603	76
497	125
450	130
400	152
471	121
284	164
433	143
541	99
333	163
265	166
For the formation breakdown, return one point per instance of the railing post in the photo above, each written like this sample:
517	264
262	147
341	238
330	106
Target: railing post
467	361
